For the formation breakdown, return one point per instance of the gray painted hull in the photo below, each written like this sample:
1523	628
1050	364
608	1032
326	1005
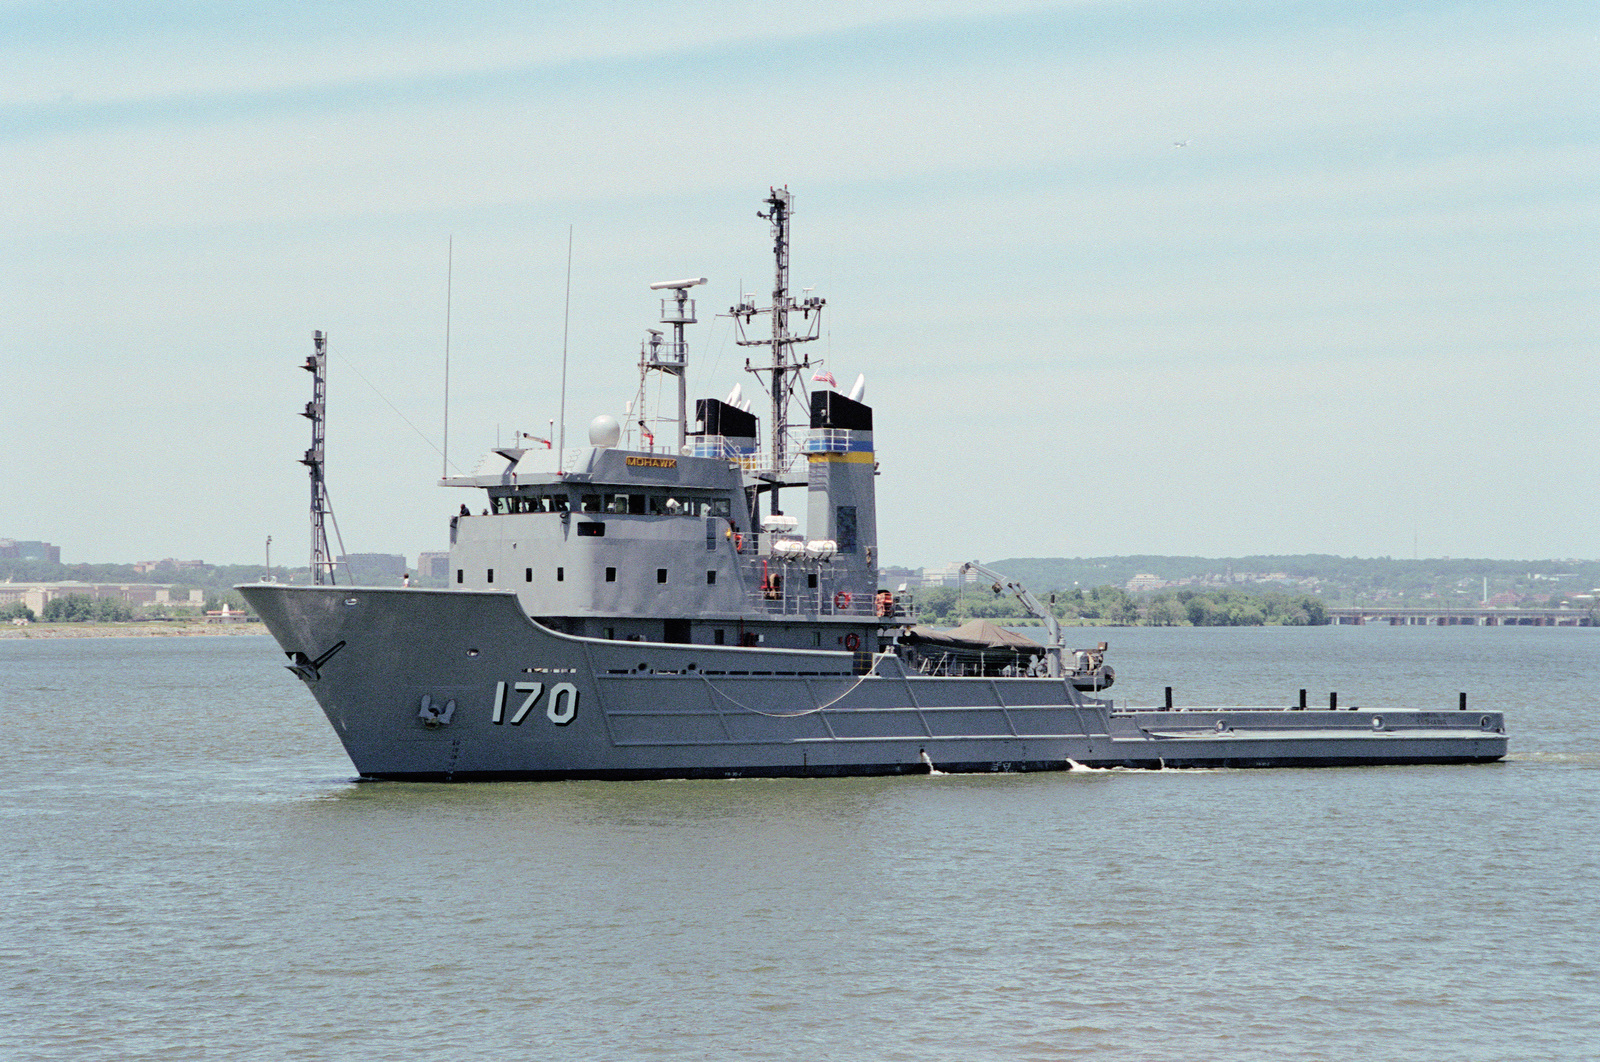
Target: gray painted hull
462	685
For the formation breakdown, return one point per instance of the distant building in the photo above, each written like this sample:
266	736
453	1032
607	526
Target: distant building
37	595
13	549
1257	577
949	575
373	569
893	578
30	594
433	566
146	567
1140	584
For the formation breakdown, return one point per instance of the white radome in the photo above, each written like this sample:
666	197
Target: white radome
604	431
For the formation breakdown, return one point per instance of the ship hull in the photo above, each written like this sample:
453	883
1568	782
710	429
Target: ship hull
463	686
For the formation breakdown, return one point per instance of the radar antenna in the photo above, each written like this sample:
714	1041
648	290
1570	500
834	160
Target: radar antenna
786	382
669	357
316	412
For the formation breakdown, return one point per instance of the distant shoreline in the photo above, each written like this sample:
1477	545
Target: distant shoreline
174	629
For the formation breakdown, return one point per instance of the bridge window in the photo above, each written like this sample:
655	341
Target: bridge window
661	575
503	504
711	577
491	576
527	575
592	529
611	575
561	575
629	504
458	575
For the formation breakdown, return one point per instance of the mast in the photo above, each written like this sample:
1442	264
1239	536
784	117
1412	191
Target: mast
673	360
316	412
785	372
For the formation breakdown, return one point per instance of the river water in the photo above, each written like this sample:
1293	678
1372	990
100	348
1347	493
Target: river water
190	872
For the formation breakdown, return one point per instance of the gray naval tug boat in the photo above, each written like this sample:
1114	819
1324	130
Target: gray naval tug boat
651	611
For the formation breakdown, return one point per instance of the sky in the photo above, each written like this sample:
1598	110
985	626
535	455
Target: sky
1182	277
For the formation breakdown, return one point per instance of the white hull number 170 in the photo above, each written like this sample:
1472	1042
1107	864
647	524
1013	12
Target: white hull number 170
561	709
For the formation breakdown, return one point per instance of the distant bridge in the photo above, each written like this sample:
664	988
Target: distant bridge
1468	617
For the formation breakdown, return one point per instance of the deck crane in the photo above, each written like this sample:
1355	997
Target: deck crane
1053	650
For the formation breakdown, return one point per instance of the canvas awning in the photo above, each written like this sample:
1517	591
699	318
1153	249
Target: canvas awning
976	635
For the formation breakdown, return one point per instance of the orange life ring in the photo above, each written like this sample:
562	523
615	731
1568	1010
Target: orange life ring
841	599
852	642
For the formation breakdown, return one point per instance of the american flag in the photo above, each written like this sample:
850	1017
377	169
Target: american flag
824	376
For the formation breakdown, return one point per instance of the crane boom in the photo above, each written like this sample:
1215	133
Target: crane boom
1053	650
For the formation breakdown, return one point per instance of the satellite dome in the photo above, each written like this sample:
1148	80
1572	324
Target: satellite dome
604	431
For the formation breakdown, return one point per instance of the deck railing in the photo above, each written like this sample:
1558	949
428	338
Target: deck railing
784	589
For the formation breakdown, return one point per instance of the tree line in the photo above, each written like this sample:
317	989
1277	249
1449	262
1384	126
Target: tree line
218	577
1110	605
81	608
1335	579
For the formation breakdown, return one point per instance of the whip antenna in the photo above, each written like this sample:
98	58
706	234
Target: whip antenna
566	314
449	270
